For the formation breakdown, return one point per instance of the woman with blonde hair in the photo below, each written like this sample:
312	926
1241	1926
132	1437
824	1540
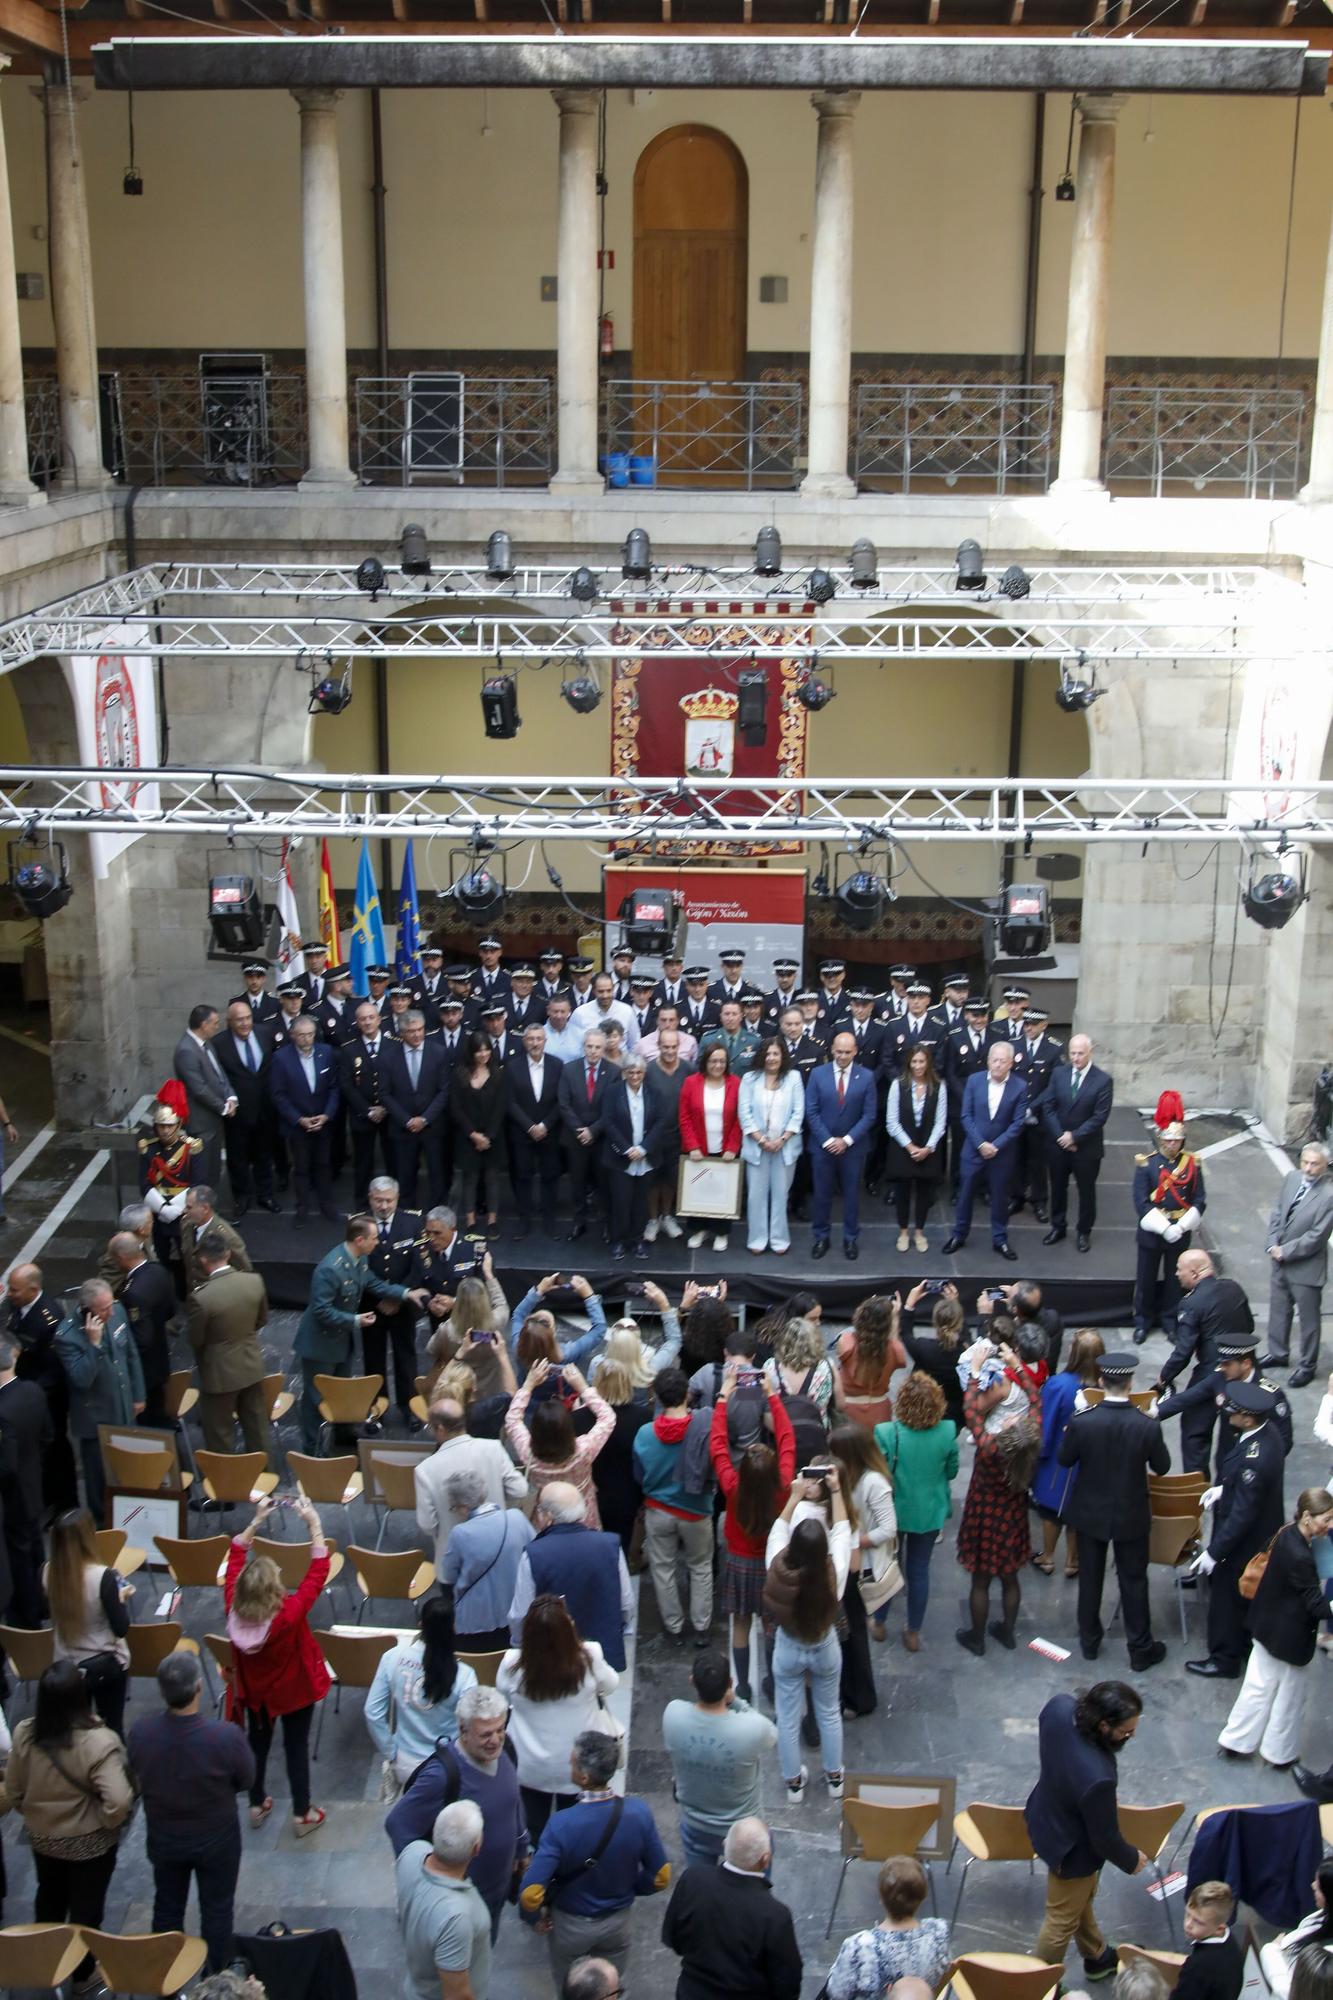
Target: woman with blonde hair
475	1331
800	1367
1052	1482
277	1669
89	1614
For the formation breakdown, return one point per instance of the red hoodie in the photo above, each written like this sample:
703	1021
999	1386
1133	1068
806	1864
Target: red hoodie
784	1439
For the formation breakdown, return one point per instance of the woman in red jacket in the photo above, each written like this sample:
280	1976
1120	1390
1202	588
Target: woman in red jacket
277	1669
755	1486
709	1125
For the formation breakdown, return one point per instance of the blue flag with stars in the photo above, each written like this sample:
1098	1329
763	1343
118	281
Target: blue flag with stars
408	958
367	924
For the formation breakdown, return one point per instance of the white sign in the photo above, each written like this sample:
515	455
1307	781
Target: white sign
115	713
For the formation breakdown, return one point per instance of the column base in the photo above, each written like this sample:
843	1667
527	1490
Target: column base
827	486
1077	489
22	493
1315	496
579	483
69	481
321	478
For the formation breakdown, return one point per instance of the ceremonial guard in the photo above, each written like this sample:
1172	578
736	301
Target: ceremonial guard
1115	1447
262	1004
1169	1201
1249	1512
166	1170
1035	1056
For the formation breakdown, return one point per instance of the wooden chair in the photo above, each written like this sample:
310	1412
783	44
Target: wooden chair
1149	1828
235	1477
180	1395
278	1398
1167	1963
138	1471
395	1479
152	1962
352	1658
874	1832
1002	1975
1178	1482
1168	1539
38	1957
348	1400
484	1665
1142	1399
293	1560
404	1577
328	1482
990	1833
28	1653
112	1549
150	1644
219	1649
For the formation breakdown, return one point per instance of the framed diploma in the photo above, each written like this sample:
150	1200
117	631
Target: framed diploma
710	1188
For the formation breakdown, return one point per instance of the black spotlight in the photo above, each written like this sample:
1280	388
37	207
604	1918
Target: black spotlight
370	575
499	705
865	565
767	552
636	555
500	556
235	913
861	899
478	896
1064	188
43	887
133	181
821	587
331	695
414	551
583	585
1015	582
812	692
583	691
651	920
1272	900
1074	694
1025	920
971	573
752	713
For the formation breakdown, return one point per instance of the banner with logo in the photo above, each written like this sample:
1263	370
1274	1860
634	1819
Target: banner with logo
761	911
115	712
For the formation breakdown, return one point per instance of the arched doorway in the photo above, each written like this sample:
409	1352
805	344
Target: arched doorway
691	230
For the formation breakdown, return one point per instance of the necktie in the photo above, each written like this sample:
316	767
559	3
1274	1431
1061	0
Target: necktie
251	1055
414	1066
1078	1081
316	991
1301	1193
842	1086
592	1081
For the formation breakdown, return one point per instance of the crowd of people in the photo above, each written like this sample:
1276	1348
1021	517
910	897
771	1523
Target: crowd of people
779	1483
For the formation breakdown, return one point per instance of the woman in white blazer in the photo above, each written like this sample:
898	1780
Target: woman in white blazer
772	1112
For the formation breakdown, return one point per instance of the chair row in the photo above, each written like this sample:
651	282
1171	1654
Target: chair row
40	1957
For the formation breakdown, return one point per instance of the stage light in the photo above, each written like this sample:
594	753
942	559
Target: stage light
583	691
414	551
636	555
478	896
1064	188
861	899
133	181
1025	922
1015	582
583	585
500	556
812	692
651	921
235	913
752	713
43	887
499	706
1074	694
971	574
767	552
331	695
865	565
821	587
370	576
1272	899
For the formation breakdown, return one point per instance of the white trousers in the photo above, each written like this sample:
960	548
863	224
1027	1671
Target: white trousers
1268	1712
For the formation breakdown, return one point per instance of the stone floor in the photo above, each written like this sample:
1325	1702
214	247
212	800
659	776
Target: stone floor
943	1713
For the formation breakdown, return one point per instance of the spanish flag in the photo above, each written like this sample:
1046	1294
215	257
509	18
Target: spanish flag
328	908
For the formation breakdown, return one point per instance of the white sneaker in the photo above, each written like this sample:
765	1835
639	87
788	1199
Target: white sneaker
919	1239
834	1781
670	1227
697	1241
902	1239
796	1787
650	1229
720	1242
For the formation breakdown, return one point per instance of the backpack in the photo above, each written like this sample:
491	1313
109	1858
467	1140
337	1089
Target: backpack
747	1407
804	1417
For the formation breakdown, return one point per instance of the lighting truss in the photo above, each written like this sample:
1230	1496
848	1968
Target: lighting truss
1035	812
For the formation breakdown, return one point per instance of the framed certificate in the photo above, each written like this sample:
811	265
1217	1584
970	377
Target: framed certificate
145	1516
710	1188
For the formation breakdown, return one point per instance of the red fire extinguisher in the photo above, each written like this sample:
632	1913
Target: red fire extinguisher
606	336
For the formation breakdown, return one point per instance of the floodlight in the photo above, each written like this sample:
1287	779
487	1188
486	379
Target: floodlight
865	565
1025	920
235	913
500	555
499	705
583	585
636	555
971	574
1074	694
370	575
1015	582
414	551
1272	899
43	887
821	587
767	552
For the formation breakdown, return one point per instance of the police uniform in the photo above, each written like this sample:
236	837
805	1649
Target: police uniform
431	985
911	1031
33	1329
443	1270
527	1010
832	1000
1249	1512
1215	1312
701	1011
392	1260
777	1002
1206	1396
949	1012
1114	1447
279	1031
895	1004
486	985
641	1004
553	983
264	1006
457	987
670	992
1034	1059
733	985
1168	1194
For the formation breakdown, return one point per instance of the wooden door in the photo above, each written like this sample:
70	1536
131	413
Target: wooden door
691	207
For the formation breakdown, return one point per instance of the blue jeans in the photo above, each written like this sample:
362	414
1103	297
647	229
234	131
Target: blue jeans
766	1188
915	1552
792	1662
697	1845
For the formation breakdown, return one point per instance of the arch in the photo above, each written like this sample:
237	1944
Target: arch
691	238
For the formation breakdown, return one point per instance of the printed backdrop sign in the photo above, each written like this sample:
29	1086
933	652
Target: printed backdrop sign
678	719
760	910
115	712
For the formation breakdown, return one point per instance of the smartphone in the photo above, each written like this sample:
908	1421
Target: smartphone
636	1291
997	1292
814	1472
934	1285
482	1339
709	1291
748	1378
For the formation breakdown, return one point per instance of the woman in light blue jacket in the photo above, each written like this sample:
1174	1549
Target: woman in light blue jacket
771	1112
413	1699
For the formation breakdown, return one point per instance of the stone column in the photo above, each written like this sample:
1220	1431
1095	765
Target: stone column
831	297
16	488
1089	297
1320	486
72	288
576	309
325	306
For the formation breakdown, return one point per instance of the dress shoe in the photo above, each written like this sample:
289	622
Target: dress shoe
819	1248
1039	1211
872	1184
241	1209
1054	1236
972	1642
1314	1784
642	1252
1003	1250
1273	1361
1210	1670
1083	1241
1104	1966
1140	1335
951	1244
1154	1656
267	1203
1233	1756
1090	1652
617	1253
1302	1378
851	1251
1004	1633
579	1229
1016	1202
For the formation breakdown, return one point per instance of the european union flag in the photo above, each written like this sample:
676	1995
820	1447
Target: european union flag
409	923
367	924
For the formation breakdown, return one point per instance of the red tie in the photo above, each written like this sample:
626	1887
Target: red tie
842	1086
592	1082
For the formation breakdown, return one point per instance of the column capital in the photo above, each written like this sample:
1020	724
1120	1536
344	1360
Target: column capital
1101	107
317	100
58	94
576	103
5	61
835	103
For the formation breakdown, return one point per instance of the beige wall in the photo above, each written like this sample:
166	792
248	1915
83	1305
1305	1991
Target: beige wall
210	255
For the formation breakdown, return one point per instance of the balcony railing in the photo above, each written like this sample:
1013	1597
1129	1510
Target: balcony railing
439	427
992	437
1251	441
41	405
744	434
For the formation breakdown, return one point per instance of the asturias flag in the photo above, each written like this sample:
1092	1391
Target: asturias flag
367	924
408	959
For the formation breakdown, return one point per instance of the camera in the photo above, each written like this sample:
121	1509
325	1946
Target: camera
710	1291
996	1292
748	1378
933	1286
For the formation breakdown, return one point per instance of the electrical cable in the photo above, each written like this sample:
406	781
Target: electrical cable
557	883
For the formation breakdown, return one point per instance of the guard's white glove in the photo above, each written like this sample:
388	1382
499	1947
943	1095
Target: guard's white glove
156	1200
1189	1220
1205	1564
1153	1221
1211	1497
173	1210
1172	1232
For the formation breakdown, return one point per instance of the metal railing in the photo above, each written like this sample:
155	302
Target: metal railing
746	434
439	425
993	436
41	406
190	430
1251	440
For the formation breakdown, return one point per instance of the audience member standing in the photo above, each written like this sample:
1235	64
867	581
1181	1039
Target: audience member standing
584	1567
446	1926
717	1745
148	1299
755	1478
993	1538
1285	1615
550	1449
920	1448
457	1452
25	1427
807	1574
101	1362
1071	1817
278	1672
734	1939
480	1565
1298	1233
34	1321
413	1700
1114	1447
226	1313
678	1518
89	1615
557	1686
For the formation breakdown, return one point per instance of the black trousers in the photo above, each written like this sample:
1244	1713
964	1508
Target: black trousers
913	1200
1156	1291
1131	1568
27	1606
538	1807
94	1479
535	1164
857	1689
215	1866
73	1892
1085	1170
311	1155
295	1749
366	1142
1197	1425
250	1159
396	1332
1032	1178
416	1165
629	1206
1228	1640
585	1171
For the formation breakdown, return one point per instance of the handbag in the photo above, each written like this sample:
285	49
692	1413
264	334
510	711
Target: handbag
1253	1573
877	1590
611	1725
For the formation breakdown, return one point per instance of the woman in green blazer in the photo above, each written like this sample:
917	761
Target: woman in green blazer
920	1447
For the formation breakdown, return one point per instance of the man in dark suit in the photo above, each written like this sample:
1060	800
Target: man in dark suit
840	1104
533	1112
633	1132
391	1260
244	1053
1074	1111
1035	1057
34	1321
1210	1309
262	1004
870	1036
1071	1817
212	1100
360	1067
148	1296
963	1054
582	1091
415	1081
993	1108
1248	1514
728	1929
26	1435
304	1083
1115	1447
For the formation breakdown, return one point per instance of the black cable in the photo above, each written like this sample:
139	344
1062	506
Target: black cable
987	916
557	883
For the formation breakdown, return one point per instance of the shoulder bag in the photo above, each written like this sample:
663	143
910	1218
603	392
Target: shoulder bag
1253	1573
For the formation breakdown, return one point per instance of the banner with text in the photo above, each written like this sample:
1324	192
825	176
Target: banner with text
761	911
115	711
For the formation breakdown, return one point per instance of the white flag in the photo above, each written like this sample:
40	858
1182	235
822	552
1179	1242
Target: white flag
291	959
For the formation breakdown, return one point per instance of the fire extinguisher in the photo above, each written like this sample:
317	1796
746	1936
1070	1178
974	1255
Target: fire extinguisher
606	336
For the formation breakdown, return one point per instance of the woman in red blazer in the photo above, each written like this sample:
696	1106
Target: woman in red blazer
694	1128
277	1668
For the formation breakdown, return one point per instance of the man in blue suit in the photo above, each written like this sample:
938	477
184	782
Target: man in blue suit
303	1082
994	1109
839	1118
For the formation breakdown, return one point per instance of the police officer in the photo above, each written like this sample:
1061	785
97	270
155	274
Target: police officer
1115	1447
1212	1309
263	1004
670	988
641	1006
895	1000
1250	1510
1008	1023
392	1260
962	1055
701	1010
786	971
379	978
1034	1059
832	999
914	1030
1169	1200
489	981
335	1016
733	985
553	981
814	1023
431	985
622	971
949	1013
441	1257
1237	1361
458	986
291	1006
526	1010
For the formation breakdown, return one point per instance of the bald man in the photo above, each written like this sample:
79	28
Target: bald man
1210	1309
